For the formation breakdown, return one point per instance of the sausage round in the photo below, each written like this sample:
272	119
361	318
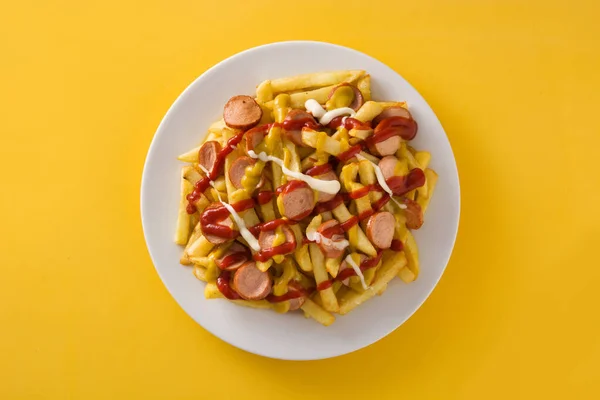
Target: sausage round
217	239
266	238
298	203
386	147
296	303
253	138
242	112
329	250
235	248
393	111
322	197
414	214
238	170
388	166
380	229
207	155
358	100
250	282
344	265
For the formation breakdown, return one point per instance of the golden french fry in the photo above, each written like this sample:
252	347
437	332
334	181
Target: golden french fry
321	142
332	265
317	313
327	296
200	248
190	156
368	111
303	258
212	292
356	236
314	80
200	273
264	92
407	275
412	254
182	232
431	181
386	104
385	274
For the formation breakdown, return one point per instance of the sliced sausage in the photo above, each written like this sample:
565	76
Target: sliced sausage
293	123
236	255
380	229
358	99
298	203
217	239
388	166
242	112
414	214
296	303
328	176
328	249
394	111
254	137
386	147
238	170
266	238
250	282
207	155
344	265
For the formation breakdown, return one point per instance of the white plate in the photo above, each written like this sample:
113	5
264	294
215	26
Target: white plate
291	336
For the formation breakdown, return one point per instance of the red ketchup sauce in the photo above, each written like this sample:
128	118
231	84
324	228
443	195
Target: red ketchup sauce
397	245
204	183
349	272
266	254
319	170
224	286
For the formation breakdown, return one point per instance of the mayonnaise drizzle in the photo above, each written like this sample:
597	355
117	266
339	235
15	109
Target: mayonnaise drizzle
381	180
356	269
314	236
249	237
329	187
325	117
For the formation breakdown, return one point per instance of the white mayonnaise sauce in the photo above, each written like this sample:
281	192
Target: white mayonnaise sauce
325	117
382	182
313	235
356	269
249	237
329	187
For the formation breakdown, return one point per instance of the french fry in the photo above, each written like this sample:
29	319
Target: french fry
386	104
200	248
303	258
190	156
356	236
182	233
327	296
412	254
321	141
314	80
385	274
368	111
332	265
431	181
264	92
298	99
200	273
407	275
317	313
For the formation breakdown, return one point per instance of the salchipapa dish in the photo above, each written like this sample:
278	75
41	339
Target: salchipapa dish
304	197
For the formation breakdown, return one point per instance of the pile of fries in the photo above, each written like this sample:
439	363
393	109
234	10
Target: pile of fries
307	266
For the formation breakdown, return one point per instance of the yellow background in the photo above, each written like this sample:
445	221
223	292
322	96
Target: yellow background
83	314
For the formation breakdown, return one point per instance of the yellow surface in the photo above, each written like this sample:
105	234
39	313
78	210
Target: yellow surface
83	315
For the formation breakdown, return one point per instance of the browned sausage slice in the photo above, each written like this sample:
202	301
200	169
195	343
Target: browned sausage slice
380	229
344	265
329	250
237	252
254	137
242	112
296	303
208	154
394	111
251	283
217	239
386	147
266	238
414	214
238	170
358	99
298	203
328	176
388	166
